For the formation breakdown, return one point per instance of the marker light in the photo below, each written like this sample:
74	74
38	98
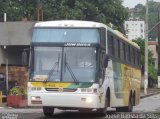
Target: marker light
88	99
35	98
36	88
89	90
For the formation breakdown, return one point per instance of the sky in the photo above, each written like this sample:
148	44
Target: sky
132	3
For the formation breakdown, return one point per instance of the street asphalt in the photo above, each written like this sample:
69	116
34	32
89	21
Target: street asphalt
150	92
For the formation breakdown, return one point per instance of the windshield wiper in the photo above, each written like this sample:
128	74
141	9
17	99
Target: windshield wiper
53	69
70	71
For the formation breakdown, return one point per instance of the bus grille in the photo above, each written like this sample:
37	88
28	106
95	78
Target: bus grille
61	89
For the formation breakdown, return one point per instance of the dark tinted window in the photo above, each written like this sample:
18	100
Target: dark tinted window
118	50
124	52
121	50
111	45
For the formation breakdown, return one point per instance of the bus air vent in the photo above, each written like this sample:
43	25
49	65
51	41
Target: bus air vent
61	89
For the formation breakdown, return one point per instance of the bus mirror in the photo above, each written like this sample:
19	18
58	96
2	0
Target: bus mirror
106	61
103	37
24	58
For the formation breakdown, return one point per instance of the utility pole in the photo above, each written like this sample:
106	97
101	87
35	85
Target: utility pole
146	53
158	34
158	52
7	89
158	28
39	11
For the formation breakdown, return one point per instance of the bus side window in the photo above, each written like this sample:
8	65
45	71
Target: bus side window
111	45
139	58
116	48
136	57
129	54
133	57
121	51
102	67
124	51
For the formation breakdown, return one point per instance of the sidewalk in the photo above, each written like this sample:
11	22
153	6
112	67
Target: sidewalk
150	92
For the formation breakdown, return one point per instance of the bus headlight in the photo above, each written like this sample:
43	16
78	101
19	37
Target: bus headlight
88	100
89	90
36	100
33	98
36	89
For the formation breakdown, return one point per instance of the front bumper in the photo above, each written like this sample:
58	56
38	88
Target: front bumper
64	100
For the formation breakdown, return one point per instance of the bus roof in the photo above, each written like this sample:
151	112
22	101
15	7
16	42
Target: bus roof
123	37
69	23
80	23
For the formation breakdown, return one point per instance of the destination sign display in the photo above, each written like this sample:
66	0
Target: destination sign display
78	44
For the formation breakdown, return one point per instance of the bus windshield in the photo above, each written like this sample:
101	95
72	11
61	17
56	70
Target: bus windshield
64	64
63	35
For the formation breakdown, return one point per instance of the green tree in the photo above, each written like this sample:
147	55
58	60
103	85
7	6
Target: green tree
104	11
17	9
152	73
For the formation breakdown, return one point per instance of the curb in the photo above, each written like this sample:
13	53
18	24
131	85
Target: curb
148	95
6	107
20	107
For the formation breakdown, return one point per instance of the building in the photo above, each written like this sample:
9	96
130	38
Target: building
14	38
134	28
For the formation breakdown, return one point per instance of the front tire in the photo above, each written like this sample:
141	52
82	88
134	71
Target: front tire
48	111
103	111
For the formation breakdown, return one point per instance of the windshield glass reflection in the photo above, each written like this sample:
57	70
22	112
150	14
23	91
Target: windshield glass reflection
78	64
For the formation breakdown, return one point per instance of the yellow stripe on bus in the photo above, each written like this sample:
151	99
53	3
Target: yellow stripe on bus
131	81
50	84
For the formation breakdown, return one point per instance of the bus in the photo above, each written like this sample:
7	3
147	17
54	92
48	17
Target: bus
82	65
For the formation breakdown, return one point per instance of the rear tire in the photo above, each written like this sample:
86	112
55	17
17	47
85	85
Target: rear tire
48	111
128	108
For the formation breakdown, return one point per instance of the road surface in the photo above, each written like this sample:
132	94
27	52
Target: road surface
147	106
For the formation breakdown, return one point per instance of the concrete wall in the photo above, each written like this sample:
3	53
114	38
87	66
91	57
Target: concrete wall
15	36
16	33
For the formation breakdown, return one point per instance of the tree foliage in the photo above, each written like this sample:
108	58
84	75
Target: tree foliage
105	11
152	73
17	9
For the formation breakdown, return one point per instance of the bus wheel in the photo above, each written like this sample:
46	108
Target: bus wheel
130	105
128	108
103	111
48	111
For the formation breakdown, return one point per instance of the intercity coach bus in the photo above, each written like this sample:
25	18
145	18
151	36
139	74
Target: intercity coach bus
82	65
